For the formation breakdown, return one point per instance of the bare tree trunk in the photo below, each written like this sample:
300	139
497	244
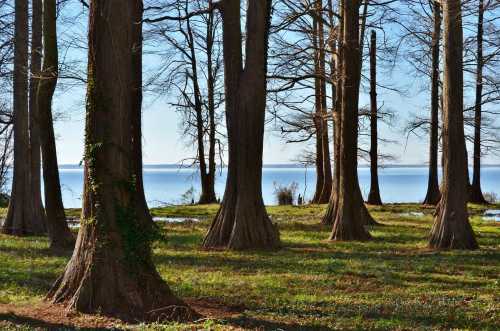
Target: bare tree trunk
242	221
20	219
367	218
337	51
111	271
433	193
350	218
34	126
318	120
207	189
326	190
59	233
451	229
374	195
476	195
211	107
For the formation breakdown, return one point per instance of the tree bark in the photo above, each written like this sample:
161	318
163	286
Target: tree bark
374	195
318	116
350	218
211	109
326	190
34	125
242	221
476	194
60	235
337	51
20	218
111	271
451	228
433	193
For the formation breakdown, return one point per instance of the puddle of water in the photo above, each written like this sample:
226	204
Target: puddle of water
175	219
492	215
74	223
412	214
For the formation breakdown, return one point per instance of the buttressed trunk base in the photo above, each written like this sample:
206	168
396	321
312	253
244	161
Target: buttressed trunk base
351	215
451	228
242	221
111	271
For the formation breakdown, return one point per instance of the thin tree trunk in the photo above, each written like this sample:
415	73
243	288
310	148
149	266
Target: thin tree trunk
374	195
350	218
451	228
367	218
207	189
337	51
326	190
318	120
476	195
59	233
211	105
242	221
111	271
34	126
20	219
433	193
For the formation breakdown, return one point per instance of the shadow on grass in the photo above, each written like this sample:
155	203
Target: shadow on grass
25	321
262	324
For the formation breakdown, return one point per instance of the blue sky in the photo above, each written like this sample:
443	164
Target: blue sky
162	136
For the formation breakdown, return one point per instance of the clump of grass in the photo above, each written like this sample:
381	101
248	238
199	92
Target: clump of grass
285	195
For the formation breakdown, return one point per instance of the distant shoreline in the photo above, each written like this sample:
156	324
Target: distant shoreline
274	166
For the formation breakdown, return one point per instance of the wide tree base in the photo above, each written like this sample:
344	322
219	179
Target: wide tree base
451	229
432	197
350	221
207	199
331	211
241	227
63	243
374	197
16	226
107	288
476	196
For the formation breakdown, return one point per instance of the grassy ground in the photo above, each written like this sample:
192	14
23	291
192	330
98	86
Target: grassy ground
392	282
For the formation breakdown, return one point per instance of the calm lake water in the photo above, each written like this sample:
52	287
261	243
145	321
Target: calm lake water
165	184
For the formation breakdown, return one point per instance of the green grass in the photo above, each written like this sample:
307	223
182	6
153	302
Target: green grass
391	282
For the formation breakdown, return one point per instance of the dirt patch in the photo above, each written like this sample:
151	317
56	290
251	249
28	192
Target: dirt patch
51	317
43	316
214	309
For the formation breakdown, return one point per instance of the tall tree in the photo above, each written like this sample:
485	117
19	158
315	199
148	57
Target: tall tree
111	270
34	126
476	195
242	221
59	233
451	228
194	71
374	195
337	36
323	160
349	218
20	218
433	193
